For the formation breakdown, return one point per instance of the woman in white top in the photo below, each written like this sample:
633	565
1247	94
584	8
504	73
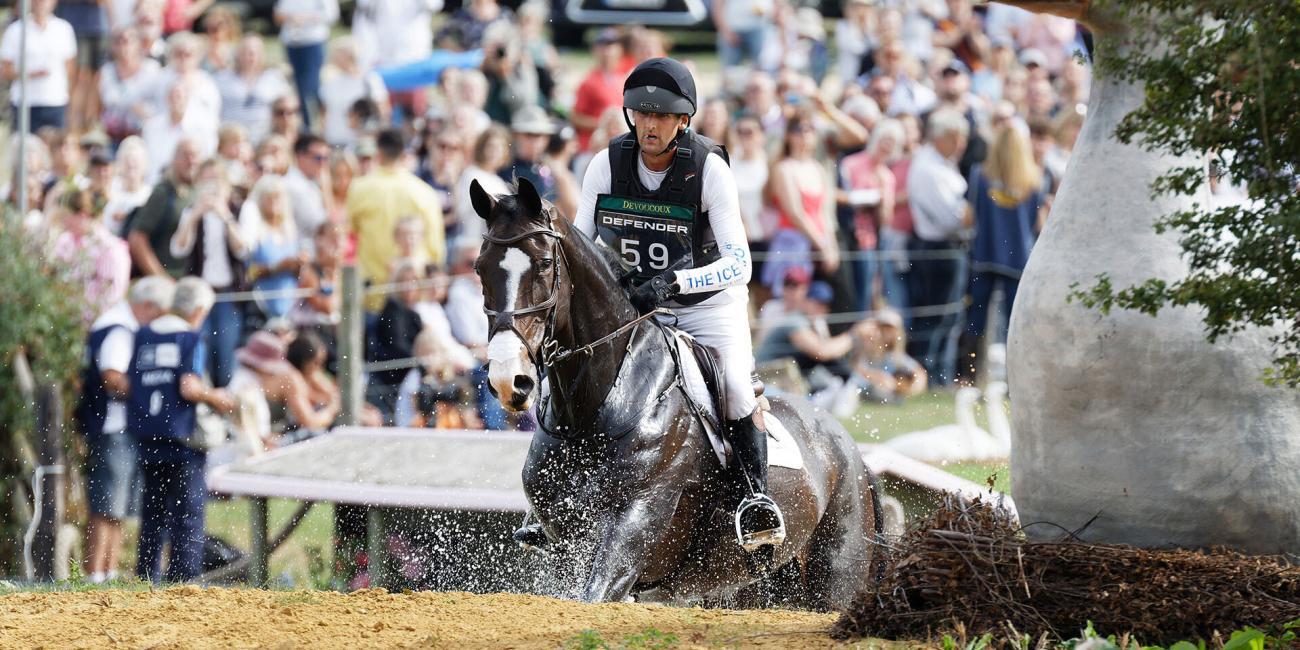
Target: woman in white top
129	188
491	153
123	83
51	54
343	88
304	28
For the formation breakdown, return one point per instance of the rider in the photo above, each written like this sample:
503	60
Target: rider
664	198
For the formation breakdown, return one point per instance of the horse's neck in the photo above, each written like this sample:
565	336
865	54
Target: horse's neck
597	307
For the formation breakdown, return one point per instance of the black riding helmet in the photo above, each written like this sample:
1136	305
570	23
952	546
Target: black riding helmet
659	85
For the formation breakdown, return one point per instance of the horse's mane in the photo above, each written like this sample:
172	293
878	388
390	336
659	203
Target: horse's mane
509	202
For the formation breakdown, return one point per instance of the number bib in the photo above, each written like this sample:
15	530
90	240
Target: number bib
649	235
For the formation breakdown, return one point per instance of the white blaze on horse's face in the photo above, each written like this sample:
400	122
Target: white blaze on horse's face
509	370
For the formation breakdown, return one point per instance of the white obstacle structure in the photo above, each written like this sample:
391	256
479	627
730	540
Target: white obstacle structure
1164	437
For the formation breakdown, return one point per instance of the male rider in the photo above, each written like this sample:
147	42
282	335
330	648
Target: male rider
664	198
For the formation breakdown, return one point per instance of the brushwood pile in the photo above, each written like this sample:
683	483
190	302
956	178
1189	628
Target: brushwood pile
969	567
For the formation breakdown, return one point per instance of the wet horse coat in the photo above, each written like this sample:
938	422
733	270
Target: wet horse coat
620	474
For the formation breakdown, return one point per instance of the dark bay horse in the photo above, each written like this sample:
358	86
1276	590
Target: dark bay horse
620	472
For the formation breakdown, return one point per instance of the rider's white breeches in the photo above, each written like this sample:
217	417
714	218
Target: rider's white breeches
725	327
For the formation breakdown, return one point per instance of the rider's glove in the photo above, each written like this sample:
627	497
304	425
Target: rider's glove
647	297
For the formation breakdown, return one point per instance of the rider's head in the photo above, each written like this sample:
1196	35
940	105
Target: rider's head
658	102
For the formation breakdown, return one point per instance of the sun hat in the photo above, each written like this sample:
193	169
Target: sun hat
264	352
532	120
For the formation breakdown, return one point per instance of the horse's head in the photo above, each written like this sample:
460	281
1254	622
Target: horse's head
522	270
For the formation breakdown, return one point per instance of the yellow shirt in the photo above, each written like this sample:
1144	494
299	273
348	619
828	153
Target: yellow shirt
376	202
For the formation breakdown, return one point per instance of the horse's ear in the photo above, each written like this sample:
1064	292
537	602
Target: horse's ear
529	199
481	200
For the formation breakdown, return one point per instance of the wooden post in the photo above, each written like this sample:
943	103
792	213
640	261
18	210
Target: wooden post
377	547
258	568
49	481
351	337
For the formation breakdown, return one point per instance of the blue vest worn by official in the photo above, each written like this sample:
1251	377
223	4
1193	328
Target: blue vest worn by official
654	230
92	406
155	410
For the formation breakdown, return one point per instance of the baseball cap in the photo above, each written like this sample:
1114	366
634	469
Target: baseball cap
821	292
532	120
797	275
608	35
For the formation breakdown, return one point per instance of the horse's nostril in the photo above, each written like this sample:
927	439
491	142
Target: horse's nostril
524	384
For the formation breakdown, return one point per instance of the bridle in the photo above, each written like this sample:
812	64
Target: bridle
505	320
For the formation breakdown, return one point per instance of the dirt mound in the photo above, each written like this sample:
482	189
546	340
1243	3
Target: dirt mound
970	563
194	617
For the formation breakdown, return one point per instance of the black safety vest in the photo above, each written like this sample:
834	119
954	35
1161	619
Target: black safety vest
637	235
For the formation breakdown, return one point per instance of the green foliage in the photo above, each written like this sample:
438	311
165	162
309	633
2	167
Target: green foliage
1221	87
649	639
40	315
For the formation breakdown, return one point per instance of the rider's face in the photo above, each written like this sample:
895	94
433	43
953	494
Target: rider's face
655	131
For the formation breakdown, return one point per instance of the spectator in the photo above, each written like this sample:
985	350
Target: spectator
124	83
940	217
491	155
164	131
803	335
390	33
166	387
322	277
409	237
395	333
558	159
284	384
602	88
531	130
184	52
954	92
274	156
51	57
910	94
88	256
308	185
960	32
743	26
150	233
129	189
714	121
881	90
853	34
275	258
867	188
1006	194
343	168
304	28
249	88
348	84
89	21
760	102
799	190
377	200
148	17
236	155
210	238
224	33
286	118
881	369
750	164
469	24
112	479
511	75
533	17
442	159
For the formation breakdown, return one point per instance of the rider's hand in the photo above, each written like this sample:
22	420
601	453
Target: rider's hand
647	297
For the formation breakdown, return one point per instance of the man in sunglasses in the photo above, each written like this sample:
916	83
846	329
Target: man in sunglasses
306	182
664	198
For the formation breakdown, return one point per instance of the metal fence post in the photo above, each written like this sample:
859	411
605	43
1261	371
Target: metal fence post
351	339
48	482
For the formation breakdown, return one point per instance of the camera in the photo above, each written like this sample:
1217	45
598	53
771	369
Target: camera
430	395
501	52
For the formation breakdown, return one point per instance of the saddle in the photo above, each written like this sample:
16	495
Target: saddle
709	362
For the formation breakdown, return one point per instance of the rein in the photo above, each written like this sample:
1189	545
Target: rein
505	320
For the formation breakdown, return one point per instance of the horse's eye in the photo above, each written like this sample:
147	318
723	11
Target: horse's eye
545	264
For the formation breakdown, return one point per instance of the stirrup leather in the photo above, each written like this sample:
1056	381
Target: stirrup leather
754	539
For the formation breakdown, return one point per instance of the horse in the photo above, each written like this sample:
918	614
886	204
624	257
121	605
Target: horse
620	472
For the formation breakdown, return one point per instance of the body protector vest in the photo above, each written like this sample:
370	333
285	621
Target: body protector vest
655	231
155	409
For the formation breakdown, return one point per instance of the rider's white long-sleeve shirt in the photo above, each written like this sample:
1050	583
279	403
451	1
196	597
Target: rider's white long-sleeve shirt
719	199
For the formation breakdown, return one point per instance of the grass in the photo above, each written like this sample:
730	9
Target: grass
299	560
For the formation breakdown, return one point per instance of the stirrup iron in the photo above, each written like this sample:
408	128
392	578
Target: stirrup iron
753	540
531	536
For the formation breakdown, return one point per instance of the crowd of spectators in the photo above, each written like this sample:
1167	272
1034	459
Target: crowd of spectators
894	170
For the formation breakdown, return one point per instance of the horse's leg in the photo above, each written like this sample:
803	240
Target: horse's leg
843	554
624	546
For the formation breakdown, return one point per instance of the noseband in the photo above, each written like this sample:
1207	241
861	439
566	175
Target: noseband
505	320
